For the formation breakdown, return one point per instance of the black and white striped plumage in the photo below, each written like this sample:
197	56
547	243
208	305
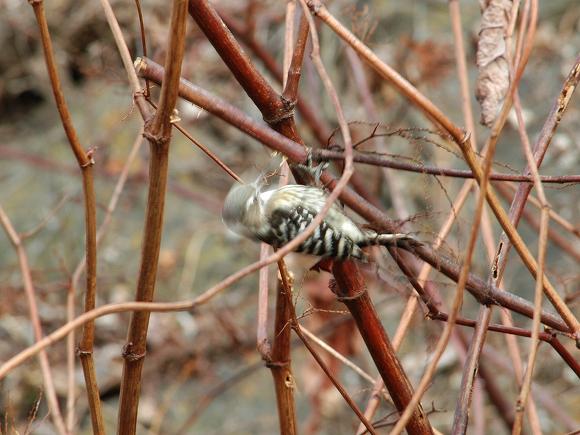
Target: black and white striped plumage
278	216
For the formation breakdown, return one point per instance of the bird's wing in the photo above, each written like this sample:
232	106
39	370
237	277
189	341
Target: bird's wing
312	199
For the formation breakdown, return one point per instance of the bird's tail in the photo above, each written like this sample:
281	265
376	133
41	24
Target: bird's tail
388	239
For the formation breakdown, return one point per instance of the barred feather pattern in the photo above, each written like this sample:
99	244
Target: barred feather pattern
323	242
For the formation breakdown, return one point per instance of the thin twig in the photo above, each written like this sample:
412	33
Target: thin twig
138	94
332	351
143	39
35	320
363	87
290	92
214	157
375	159
38	227
542	242
288	40
208	152
565	224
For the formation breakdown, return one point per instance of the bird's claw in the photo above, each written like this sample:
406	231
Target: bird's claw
313	171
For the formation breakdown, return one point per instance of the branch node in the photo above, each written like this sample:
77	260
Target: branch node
277	364
281	115
352	297
314	6
129	355
288	104
159	138
140	65
466	137
90	160
289	381
82	353
174	118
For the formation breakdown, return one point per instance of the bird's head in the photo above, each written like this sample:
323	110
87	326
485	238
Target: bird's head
242	211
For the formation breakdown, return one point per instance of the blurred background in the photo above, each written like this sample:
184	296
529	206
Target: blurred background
202	372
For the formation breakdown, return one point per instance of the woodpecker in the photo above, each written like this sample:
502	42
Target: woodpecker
277	216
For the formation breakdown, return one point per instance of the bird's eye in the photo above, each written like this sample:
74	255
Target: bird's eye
252	202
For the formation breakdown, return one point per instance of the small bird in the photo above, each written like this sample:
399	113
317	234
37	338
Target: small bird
277	216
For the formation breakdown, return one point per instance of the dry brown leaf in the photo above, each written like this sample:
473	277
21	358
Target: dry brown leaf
493	80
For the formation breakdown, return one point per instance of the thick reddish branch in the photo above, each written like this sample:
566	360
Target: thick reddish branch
351	291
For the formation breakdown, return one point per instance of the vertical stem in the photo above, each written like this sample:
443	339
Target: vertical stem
85	162
135	348
280	364
262	342
86	345
158	132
